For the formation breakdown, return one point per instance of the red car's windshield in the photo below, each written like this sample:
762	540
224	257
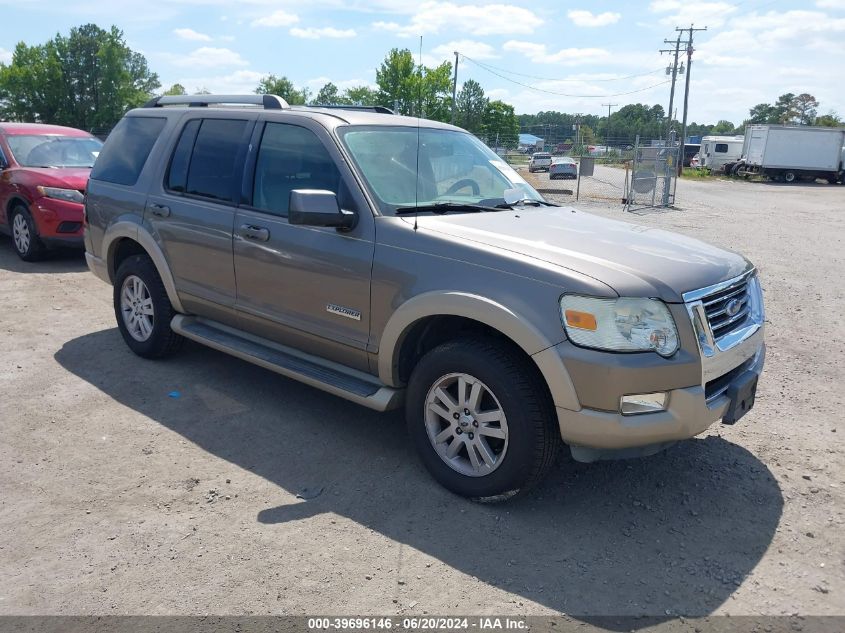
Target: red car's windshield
54	150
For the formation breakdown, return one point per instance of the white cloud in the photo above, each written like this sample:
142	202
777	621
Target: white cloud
5	56
588	19
539	54
831	4
470	48
277	18
208	57
312	33
192	35
238	82
710	14
491	19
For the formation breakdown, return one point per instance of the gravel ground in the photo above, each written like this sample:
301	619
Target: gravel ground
203	484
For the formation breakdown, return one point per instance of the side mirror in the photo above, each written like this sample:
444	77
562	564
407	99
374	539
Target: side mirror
315	207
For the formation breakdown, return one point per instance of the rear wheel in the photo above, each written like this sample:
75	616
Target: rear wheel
789	176
25	238
143	310
481	419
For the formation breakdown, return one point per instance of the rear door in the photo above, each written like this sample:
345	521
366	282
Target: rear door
307	287
191	211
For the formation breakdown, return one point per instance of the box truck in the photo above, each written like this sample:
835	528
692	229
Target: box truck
791	153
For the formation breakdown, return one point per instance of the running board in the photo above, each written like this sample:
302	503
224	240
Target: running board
334	378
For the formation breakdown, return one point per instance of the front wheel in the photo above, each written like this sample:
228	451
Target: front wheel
28	245
481	419
789	176
143	310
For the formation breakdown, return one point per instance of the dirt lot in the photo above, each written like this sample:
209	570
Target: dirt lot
132	487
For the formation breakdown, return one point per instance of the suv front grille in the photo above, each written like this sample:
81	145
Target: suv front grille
719	305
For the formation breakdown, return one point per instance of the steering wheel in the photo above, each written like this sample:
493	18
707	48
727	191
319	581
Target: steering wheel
466	182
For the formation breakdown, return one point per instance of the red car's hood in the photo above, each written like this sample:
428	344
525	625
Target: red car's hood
65	177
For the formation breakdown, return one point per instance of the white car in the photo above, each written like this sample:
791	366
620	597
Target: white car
541	161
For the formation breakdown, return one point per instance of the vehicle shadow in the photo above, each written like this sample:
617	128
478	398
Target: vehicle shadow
55	261
675	533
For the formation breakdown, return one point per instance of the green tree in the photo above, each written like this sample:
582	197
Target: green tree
831	119
284	88
435	92
470	106
785	108
805	107
363	95
328	95
396	80
762	113
175	90
499	125
87	79
722	128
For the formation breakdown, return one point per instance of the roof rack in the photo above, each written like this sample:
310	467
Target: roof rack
268	102
362	108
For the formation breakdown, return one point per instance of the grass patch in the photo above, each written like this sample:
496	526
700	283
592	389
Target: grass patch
698	174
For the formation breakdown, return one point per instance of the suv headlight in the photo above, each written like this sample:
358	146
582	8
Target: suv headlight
68	195
619	325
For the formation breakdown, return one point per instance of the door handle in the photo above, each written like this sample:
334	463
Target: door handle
160	210
256	233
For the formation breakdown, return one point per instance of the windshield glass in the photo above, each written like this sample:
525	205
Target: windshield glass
453	167
53	150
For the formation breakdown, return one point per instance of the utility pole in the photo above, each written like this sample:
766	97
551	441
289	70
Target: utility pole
686	92
674	76
455	89
607	136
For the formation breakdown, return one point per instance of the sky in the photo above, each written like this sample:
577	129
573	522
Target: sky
566	55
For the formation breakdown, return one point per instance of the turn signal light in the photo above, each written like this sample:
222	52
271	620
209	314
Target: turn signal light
581	320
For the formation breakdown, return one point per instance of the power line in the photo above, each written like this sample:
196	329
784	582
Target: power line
563	94
491	68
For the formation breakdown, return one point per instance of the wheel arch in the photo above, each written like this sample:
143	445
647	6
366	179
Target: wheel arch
431	318
13	201
125	238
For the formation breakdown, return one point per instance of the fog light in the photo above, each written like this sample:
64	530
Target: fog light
643	403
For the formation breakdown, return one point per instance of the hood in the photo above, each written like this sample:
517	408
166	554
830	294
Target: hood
65	177
633	260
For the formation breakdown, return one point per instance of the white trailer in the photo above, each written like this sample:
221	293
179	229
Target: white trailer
718	151
790	153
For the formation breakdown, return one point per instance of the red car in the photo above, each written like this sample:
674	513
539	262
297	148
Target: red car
43	174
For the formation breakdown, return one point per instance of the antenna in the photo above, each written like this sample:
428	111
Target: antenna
419	112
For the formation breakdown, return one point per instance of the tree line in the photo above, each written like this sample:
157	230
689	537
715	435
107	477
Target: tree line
90	77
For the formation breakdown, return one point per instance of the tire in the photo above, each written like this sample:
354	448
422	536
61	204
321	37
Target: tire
521	445
789	177
25	238
139	293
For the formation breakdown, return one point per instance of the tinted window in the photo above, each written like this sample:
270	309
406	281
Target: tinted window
213	171
292	157
127	149
177	174
721	148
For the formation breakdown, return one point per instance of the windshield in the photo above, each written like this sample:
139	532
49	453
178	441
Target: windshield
54	151
453	167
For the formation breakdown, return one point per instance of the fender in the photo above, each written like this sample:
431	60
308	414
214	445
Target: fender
136	232
484	310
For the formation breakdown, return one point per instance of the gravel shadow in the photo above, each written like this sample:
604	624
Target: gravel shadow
59	260
672	534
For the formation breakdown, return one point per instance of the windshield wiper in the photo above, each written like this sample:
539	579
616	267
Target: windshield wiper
445	207
525	202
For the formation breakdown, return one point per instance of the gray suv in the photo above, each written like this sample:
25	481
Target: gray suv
398	262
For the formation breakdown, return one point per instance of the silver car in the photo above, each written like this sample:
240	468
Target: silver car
563	167
400	263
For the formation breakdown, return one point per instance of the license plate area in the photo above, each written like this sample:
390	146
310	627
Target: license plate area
742	392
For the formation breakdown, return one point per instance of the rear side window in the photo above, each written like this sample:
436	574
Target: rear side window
213	171
721	148
127	149
177	173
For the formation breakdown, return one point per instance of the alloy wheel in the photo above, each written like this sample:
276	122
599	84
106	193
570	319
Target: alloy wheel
20	233
136	306
466	424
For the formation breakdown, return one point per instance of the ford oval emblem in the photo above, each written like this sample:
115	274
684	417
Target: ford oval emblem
733	307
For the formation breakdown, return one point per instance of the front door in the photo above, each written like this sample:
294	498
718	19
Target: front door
307	287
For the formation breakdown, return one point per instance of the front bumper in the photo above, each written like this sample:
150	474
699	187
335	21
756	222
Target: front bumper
694	402
58	222
97	266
